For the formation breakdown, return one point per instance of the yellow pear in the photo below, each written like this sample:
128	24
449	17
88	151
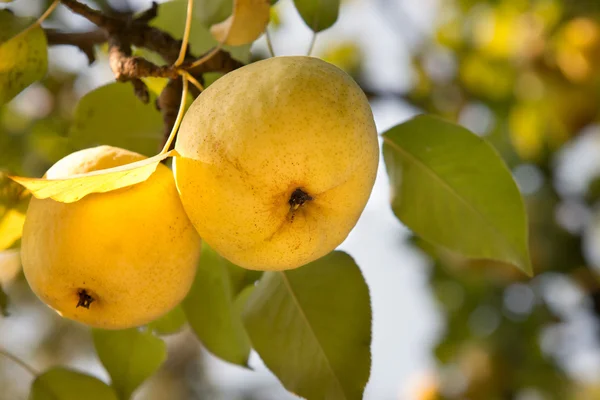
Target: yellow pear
278	160
110	260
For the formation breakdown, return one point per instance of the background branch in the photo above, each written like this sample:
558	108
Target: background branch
85	41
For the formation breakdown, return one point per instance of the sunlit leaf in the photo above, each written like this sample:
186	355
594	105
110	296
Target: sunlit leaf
65	384
452	188
11	227
312	327
74	188
318	14
13	205
247	22
129	356
172	322
169	19
155	85
210	306
23	57
112	115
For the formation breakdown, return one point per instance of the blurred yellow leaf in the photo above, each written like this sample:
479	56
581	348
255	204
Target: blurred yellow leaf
11	227
495	31
582	32
156	85
493	79
549	12
450	33
247	22
527	131
507	31
74	188
346	55
576	48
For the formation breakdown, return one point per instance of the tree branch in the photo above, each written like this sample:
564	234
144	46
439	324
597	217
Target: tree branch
85	41
168	103
149	14
137	32
128	68
94	16
122	31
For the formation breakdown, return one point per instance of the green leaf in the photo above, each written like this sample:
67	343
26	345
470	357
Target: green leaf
169	19
3	303
129	356
312	327
210	306
211	12
239	304
318	14
114	116
65	384
451	187
23	57
172	322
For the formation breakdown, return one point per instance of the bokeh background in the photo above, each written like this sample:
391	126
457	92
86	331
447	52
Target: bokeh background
525	74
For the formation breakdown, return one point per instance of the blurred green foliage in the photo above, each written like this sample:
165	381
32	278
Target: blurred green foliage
524	73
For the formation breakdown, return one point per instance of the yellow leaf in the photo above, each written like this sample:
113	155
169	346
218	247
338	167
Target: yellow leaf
76	187
11	228
247	22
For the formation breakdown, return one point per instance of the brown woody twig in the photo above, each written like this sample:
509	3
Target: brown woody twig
168	102
122	31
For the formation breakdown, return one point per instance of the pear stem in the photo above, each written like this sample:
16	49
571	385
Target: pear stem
186	34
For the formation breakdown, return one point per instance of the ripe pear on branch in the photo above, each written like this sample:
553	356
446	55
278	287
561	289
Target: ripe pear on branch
111	260
277	161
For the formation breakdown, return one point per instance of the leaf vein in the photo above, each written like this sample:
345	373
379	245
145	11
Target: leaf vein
311	330
453	191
